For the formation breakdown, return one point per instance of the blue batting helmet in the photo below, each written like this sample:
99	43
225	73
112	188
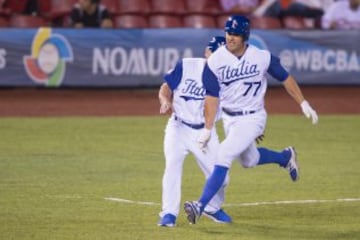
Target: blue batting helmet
238	25
215	43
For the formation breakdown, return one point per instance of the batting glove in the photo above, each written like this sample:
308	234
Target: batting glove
204	139
309	112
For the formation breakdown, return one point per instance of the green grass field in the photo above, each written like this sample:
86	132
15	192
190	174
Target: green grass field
55	174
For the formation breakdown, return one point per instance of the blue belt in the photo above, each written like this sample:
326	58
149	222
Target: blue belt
194	126
240	113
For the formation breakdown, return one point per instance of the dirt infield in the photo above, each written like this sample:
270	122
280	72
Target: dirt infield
100	102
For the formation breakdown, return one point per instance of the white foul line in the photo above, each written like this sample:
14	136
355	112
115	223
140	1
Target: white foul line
130	201
292	202
246	204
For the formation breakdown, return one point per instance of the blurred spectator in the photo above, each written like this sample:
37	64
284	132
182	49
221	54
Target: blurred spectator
245	7
325	4
342	15
277	8
31	7
3	10
297	8
90	13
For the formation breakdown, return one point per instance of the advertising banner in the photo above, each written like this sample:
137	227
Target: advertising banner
58	57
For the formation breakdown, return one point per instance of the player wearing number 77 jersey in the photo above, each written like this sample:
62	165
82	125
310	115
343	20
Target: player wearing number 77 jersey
234	78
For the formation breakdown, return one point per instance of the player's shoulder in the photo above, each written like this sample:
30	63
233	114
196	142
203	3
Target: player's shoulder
221	51
254	49
219	55
258	53
190	63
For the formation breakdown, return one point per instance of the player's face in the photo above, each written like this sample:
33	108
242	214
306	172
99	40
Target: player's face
235	43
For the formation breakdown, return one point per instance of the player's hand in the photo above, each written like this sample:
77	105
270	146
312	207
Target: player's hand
165	107
309	112
204	139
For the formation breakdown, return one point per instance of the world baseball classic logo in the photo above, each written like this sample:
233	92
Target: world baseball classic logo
49	54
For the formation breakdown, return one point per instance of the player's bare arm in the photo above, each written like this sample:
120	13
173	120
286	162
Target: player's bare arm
165	95
211	107
294	90
210	111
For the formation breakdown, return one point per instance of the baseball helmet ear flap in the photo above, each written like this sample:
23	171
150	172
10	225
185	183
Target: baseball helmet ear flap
238	25
215	43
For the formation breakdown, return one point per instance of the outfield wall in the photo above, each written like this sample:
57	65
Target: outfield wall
139	58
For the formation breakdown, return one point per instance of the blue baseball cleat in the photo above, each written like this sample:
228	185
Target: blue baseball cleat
292	165
168	220
193	211
219	216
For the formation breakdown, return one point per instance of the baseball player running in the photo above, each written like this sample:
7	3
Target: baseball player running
183	93
234	78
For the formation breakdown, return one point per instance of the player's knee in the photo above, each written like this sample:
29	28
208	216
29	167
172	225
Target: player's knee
248	164
224	160
250	160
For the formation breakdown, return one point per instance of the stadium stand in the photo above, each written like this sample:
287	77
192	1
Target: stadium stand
291	22
221	19
160	13
130	21
4	22
27	21
199	21
15	6
210	7
111	5
52	9
165	21
167	7
44	7
134	6
4	11
265	23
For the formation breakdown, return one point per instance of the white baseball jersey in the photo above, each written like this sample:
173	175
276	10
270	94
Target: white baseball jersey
240	83
189	94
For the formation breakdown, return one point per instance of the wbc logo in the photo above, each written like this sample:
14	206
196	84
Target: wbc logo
49	53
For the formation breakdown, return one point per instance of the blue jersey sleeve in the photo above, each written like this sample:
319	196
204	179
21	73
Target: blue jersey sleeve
276	70
173	77
210	82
